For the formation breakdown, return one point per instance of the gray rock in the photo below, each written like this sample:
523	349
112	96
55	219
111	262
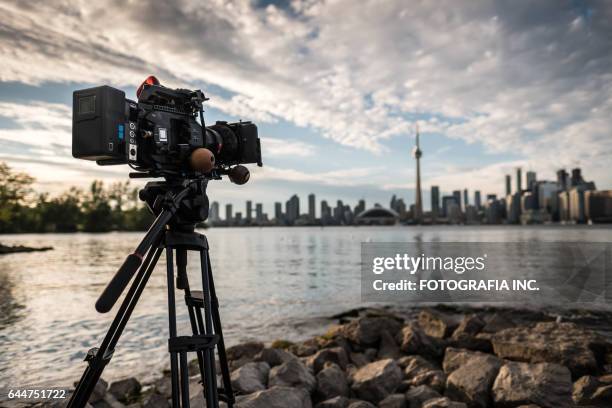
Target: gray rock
274	356
388	347
251	377
156	400
332	382
293	373
367	330
163	386
496	323
98	391
561	343
436	324
359	359
375	381
590	391
336	402
419	371
443	402
454	358
276	397
544	384
471	325
241	354
416	396
336	355
414	341
125	390
393	401
471	382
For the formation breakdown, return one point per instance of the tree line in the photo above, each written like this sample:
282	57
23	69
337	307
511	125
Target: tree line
101	208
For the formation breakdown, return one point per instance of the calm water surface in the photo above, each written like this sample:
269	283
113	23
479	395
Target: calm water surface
272	283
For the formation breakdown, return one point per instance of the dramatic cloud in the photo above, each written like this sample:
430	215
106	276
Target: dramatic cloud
531	79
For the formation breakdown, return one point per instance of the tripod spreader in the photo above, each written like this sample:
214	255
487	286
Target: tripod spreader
122	277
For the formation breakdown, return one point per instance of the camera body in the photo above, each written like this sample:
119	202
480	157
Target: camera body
157	134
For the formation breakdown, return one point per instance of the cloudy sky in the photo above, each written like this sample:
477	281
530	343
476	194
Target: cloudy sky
336	87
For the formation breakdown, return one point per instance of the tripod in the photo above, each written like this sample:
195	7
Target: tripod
178	206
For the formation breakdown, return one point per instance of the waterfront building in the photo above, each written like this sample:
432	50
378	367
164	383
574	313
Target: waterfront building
477	202
418	203
508	185
435	201
228	213
598	206
249	209
311	207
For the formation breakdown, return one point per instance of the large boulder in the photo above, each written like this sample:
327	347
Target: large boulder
562	343
366	331
293	373
471	382
125	390
336	355
471	325
388	347
276	397
544	384
465	335
590	391
332	382
361	404
455	358
414	340
251	377
437	324
243	353
419	371
373	382
274	356
416	396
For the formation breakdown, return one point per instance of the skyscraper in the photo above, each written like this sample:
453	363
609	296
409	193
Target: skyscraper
531	179
278	211
249	209
418	202
466	199
325	213
311	207
259	212
562	179
292	209
228	212
435	201
213	213
477	201
519	180
457	195
508	184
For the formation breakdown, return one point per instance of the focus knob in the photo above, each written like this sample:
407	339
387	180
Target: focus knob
239	175
202	160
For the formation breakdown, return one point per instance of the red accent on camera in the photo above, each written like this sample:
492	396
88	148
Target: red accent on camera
151	80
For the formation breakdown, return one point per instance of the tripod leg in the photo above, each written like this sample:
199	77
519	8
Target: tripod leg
209	355
195	314
225	374
98	361
172	328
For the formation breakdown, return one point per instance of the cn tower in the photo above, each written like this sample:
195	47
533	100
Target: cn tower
418	203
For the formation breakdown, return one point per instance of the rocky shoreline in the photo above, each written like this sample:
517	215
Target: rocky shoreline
418	358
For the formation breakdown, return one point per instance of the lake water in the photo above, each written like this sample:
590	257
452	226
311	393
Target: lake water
272	283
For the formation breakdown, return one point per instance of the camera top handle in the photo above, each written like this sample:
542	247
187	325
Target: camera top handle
122	277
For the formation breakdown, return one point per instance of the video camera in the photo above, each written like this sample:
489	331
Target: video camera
159	135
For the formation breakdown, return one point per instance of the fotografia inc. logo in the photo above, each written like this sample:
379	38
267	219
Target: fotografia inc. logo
413	264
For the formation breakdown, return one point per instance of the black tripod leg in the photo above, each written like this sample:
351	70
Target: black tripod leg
209	355
98	361
172	328
195	314
225	374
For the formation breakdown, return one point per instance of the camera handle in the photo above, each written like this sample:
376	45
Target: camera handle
122	277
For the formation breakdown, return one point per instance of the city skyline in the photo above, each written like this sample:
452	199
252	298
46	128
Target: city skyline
521	91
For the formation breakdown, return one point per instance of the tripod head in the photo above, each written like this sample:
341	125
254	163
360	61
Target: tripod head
190	210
